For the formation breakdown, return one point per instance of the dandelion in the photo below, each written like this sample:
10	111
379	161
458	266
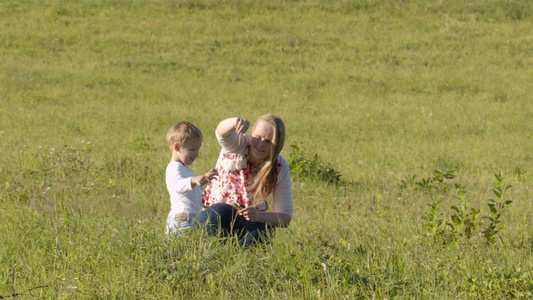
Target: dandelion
344	243
112	182
7	184
324	266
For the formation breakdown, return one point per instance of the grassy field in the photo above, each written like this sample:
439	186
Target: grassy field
415	104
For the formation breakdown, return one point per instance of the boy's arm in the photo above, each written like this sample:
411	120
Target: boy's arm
180	180
181	184
204	179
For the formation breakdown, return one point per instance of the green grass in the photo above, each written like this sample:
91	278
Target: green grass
382	92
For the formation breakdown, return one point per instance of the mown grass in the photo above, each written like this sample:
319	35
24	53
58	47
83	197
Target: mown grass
382	92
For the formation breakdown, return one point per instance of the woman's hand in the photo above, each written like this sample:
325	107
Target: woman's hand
250	213
241	125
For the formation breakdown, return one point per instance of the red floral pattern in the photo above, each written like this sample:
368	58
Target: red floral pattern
233	186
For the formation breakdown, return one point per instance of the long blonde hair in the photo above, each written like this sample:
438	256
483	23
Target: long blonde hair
265	179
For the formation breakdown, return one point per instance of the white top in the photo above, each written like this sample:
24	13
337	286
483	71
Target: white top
282	194
183	197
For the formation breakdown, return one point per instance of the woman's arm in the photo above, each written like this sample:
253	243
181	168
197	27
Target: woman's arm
230	134
228	126
276	219
282	197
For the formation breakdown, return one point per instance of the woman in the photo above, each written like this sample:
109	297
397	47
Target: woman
249	170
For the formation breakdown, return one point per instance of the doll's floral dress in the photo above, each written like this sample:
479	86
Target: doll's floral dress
234	183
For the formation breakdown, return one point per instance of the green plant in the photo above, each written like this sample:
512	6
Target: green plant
311	168
497	207
465	220
428	183
433	218
463	223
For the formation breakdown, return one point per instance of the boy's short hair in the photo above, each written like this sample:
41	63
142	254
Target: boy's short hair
181	132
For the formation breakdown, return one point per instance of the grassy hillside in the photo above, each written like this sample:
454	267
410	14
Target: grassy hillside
416	104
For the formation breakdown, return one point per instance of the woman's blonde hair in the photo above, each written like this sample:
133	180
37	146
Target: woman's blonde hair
265	179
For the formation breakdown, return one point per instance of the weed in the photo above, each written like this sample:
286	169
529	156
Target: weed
429	183
433	218
497	208
464	222
312	168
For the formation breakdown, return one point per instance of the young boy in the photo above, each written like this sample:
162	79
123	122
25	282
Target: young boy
184	140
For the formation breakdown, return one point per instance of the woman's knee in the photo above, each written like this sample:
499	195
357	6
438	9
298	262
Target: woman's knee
219	215
221	211
255	237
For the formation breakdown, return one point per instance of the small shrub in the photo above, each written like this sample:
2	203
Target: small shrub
433	219
463	222
428	183
497	208
311	168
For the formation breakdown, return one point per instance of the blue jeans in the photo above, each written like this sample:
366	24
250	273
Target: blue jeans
222	219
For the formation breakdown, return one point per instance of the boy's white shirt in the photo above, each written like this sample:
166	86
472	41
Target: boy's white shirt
183	197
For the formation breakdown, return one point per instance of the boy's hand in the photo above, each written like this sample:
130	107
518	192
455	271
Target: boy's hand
241	125
204	179
212	174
